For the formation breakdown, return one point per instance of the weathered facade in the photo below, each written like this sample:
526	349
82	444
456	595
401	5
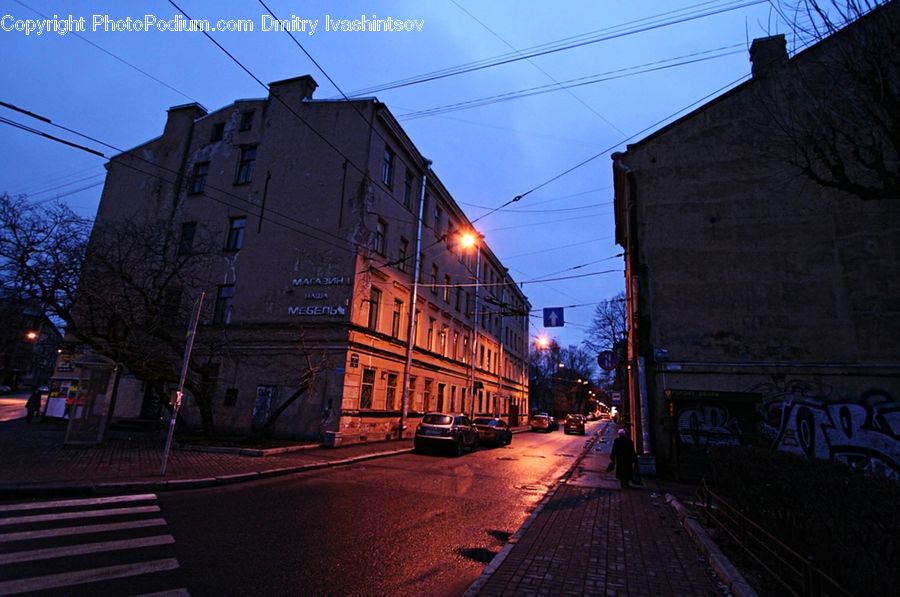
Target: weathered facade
316	208
763	307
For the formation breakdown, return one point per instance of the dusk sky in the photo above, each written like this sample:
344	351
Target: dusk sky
628	68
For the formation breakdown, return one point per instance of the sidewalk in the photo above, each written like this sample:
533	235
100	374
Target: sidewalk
34	462
591	537
586	537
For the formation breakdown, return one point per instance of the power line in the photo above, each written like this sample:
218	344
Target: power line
543	50
573	83
107	52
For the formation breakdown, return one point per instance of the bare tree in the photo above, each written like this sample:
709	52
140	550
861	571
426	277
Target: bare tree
836	111
42	247
609	325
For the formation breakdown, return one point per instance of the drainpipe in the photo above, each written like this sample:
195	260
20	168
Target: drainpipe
413	297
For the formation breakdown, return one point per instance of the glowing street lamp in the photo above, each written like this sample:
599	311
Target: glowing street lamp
542	342
468	241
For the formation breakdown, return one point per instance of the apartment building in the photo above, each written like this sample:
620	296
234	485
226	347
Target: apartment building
320	213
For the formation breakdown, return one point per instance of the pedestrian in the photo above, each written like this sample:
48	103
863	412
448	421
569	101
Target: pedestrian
623	458
33	405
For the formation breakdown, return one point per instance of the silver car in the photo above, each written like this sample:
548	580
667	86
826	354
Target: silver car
446	432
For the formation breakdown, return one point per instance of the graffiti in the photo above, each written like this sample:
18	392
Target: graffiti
708	425
862	433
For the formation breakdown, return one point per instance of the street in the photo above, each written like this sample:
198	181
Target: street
413	522
12	406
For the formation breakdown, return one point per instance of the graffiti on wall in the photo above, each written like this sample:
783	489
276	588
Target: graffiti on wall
863	433
708	425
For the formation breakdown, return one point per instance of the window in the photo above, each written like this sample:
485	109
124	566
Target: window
224	297
387	167
453	399
408	190
245	166
374	306
402	254
186	240
447	289
455	346
367	390
172	300
458	295
442	340
434	278
438	223
465	349
414	400
246	120
235	238
390	393
395	319
427	393
481	356
488	359
218	132
380	233
429	338
198	181
231	395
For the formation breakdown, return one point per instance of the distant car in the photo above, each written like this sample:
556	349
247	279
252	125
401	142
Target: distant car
493	431
5	389
455	433
554	424
574	424
540	423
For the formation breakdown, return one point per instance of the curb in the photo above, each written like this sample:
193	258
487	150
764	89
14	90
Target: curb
720	563
150	485
498	559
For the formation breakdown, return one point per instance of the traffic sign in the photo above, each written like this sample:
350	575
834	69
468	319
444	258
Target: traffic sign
607	360
617	398
554	317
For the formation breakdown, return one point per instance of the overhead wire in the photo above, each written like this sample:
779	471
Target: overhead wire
543	50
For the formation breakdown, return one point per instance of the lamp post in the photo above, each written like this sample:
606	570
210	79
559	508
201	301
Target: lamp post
413	297
469	240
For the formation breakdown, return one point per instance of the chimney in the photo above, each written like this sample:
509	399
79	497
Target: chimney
767	54
182	117
298	89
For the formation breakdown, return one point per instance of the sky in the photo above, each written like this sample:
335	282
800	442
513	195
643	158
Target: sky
579	80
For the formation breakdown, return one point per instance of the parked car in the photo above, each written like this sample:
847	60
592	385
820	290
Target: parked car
574	424
5	389
540	423
455	433
554	423
493	431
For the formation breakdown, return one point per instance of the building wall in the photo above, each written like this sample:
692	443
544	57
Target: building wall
320	269
746	277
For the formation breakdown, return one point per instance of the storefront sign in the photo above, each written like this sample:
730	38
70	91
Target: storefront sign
317	310
322	281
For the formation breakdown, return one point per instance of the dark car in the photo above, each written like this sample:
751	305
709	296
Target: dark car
574	424
493	431
455	433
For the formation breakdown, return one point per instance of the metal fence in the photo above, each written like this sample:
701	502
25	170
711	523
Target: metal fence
793	573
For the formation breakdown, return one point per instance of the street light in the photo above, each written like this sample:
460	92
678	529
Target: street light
469	240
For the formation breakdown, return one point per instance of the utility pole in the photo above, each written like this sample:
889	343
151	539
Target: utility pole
413	297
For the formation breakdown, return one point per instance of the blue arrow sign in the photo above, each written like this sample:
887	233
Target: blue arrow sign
553	317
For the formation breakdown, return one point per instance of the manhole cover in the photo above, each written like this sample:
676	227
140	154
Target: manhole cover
531	487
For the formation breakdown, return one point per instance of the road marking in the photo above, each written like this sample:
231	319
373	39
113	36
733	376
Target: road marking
81	514
118	499
84	548
169	593
55	581
91	528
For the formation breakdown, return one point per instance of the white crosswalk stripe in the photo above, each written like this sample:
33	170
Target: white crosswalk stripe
54	545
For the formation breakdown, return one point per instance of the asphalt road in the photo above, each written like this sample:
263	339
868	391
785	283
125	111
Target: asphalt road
418	523
12	406
424	524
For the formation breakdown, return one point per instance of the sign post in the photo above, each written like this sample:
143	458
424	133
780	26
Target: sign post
192	331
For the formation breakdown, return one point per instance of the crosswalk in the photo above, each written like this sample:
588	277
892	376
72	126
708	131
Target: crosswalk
104	545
